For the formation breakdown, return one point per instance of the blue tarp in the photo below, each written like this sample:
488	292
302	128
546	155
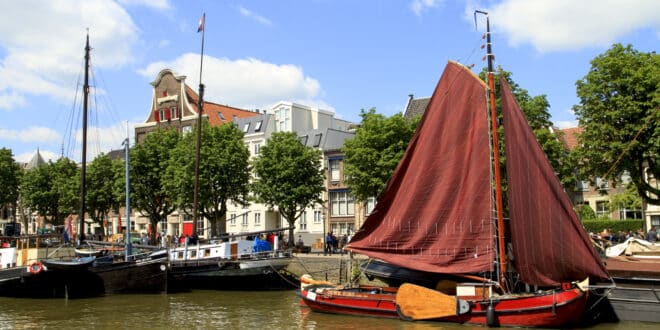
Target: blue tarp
260	245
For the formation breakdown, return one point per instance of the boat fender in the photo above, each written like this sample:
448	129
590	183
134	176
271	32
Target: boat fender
35	267
490	315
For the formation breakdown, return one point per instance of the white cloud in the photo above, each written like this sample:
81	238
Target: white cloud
566	124
45	154
156	4
43	44
103	139
11	100
247	13
558	25
164	43
245	83
31	134
420	6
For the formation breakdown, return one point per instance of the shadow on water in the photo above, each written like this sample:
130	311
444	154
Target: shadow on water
204	310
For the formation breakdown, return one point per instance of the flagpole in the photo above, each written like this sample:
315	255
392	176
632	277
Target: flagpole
198	145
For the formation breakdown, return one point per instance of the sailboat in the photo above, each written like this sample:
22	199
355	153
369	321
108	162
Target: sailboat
441	212
111	273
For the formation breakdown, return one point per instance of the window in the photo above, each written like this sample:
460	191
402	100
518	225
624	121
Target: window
303	221
317	140
655	220
200	226
341	203
222	117
282	119
244	220
303	140
317	216
583	185
232	220
369	205
162	114
601	183
246	127
334	169
602	208
257	148
257	219
257	126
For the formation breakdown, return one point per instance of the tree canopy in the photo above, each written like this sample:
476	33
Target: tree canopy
619	112
374	152
223	173
288	175
52	190
147	165
99	199
10	178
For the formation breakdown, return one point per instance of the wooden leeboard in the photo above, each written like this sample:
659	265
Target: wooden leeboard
419	303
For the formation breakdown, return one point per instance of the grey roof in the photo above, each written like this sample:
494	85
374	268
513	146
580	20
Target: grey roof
326	139
416	107
36	161
253	123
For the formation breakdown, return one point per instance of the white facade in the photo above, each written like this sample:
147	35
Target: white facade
284	117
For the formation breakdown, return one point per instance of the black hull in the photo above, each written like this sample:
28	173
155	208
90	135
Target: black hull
17	282
228	276
394	276
149	276
636	299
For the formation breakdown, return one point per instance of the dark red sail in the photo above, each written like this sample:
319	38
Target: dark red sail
550	245
436	212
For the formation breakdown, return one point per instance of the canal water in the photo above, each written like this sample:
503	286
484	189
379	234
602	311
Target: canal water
204	310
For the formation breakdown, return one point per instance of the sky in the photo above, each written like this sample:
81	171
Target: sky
337	55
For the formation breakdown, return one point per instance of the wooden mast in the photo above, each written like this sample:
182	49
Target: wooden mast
496	158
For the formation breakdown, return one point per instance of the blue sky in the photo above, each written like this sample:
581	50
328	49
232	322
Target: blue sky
340	55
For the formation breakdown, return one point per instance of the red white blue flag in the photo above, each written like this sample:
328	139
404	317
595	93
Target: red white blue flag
201	23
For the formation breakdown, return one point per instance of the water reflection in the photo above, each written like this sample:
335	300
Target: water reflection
203	310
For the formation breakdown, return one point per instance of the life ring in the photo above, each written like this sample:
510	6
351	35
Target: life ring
35	267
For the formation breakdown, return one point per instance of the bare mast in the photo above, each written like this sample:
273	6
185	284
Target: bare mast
83	170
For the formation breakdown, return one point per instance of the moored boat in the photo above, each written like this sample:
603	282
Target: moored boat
442	212
325	297
231	264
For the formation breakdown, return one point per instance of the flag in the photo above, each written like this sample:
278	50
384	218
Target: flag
201	23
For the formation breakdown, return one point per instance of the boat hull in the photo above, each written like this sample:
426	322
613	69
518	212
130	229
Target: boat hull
222	274
18	282
558	308
141	276
362	301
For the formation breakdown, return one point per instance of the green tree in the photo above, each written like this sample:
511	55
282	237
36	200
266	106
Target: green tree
147	165
374	152
535	109
289	176
626	200
52	190
99	198
223	173
619	112
10	178
585	212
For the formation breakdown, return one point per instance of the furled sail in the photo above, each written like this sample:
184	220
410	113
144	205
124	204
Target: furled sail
550	245
435	213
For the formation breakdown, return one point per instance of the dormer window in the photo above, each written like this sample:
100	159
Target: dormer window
257	126
317	139
246	127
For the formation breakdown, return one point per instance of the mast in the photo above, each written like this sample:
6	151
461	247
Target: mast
496	157
83	171
199	128
127	239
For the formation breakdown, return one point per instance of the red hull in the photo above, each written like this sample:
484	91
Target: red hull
358	301
551	309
